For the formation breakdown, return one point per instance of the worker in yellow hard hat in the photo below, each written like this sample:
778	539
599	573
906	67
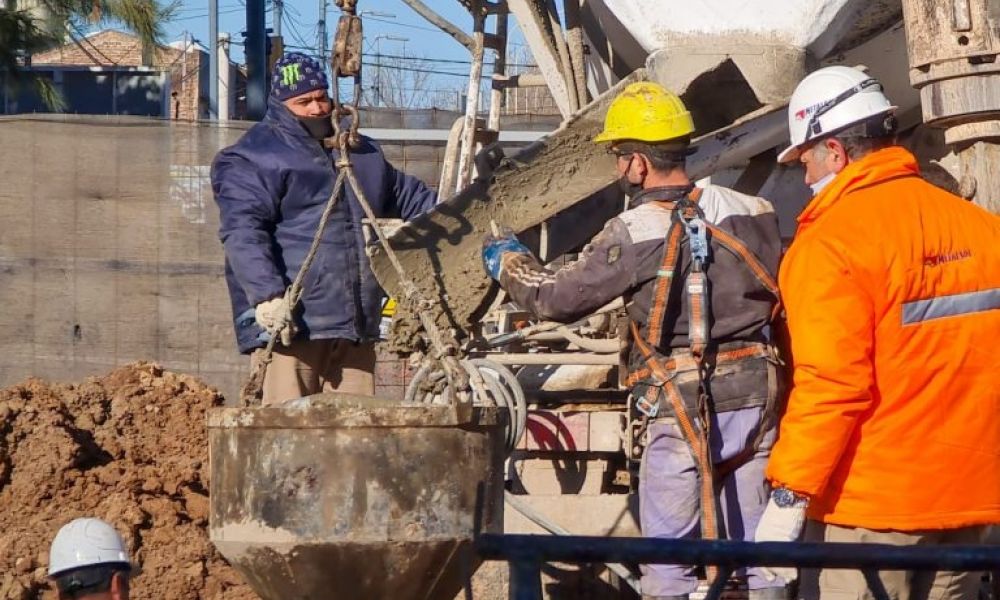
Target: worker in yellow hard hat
697	267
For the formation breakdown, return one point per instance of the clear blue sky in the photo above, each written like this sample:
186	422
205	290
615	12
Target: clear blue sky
440	52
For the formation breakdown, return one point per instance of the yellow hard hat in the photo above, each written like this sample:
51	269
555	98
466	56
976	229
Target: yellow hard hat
646	112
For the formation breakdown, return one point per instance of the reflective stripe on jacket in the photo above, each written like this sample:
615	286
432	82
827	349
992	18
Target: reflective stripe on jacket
892	291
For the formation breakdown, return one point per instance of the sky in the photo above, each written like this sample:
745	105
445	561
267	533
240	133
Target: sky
391	27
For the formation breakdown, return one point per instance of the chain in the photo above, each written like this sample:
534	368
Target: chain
345	62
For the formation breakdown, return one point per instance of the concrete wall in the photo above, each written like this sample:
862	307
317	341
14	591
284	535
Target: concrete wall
108	252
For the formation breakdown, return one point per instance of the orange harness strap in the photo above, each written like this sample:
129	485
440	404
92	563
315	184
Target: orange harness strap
664	282
738	248
696	439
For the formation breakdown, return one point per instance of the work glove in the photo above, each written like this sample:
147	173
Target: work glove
781	524
275	317
494	247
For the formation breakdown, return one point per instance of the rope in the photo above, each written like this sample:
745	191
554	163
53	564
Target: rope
253	389
444	350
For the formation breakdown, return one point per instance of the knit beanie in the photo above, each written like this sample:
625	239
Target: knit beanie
296	74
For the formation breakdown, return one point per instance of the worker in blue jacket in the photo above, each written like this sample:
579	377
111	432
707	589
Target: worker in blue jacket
272	187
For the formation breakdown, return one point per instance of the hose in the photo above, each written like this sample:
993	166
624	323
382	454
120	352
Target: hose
494	385
509	395
554	528
419	384
593	345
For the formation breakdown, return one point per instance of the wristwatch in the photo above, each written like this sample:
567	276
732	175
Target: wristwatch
786	498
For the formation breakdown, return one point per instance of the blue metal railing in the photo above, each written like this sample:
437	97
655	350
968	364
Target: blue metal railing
527	553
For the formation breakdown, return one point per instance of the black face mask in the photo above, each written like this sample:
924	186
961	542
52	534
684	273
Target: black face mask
319	128
630	189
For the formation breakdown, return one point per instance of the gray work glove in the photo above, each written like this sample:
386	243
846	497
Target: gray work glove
781	524
275	317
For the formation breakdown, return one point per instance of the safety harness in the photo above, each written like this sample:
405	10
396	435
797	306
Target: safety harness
656	381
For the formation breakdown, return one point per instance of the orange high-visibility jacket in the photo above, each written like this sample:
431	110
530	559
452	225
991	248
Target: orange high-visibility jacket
892	290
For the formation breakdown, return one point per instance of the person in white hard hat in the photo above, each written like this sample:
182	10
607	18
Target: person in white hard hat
88	560
892	295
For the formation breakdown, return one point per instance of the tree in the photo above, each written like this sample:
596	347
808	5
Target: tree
398	82
21	34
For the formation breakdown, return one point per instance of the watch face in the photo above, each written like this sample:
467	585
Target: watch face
784	497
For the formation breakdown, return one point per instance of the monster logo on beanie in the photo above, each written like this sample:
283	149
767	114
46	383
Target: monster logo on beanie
296	74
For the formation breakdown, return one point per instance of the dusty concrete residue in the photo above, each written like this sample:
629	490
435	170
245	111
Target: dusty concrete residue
252	531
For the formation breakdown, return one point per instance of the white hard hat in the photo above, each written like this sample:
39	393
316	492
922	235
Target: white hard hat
86	542
829	100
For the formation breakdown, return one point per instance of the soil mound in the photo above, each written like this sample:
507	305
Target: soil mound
130	448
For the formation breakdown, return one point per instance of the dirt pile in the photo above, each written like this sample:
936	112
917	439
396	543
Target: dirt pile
130	448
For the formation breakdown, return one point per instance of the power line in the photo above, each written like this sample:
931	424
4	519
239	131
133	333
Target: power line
293	26
418	59
447	60
221	12
419	70
407	25
201	9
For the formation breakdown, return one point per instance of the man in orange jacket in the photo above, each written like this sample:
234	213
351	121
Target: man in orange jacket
892	292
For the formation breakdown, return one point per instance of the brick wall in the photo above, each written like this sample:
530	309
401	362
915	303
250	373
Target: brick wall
111	48
392	374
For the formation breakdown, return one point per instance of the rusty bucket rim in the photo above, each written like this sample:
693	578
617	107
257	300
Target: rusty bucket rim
326	416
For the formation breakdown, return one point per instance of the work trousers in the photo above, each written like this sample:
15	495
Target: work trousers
669	494
313	366
841	584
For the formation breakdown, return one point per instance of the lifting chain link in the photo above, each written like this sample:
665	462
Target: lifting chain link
345	62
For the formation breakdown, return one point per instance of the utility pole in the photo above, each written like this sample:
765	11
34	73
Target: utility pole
184	68
213	59
256	57
225	94
378	62
279	9
321	35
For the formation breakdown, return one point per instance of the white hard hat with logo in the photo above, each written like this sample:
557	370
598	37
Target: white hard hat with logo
86	542
831	99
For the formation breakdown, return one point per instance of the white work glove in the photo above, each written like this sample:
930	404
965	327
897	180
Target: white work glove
275	317
781	524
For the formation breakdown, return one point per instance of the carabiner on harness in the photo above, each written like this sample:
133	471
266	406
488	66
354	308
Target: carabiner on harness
697	232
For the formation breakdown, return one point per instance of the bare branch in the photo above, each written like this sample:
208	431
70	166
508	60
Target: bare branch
438	21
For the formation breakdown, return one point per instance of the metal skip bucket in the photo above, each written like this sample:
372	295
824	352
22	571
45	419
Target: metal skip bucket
339	496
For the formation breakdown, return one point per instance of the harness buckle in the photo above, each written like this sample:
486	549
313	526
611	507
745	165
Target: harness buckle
646	407
698	239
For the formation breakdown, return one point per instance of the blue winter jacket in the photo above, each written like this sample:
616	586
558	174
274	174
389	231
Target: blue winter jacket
271	187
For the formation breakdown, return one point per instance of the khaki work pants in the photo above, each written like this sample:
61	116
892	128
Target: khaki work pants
842	584
313	366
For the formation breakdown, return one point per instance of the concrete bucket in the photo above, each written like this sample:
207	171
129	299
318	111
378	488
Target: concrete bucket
338	496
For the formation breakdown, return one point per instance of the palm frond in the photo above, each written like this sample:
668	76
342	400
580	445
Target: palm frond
47	91
20	36
145	18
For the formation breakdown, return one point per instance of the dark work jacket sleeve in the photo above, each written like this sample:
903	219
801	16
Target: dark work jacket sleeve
412	196
605	270
248	209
